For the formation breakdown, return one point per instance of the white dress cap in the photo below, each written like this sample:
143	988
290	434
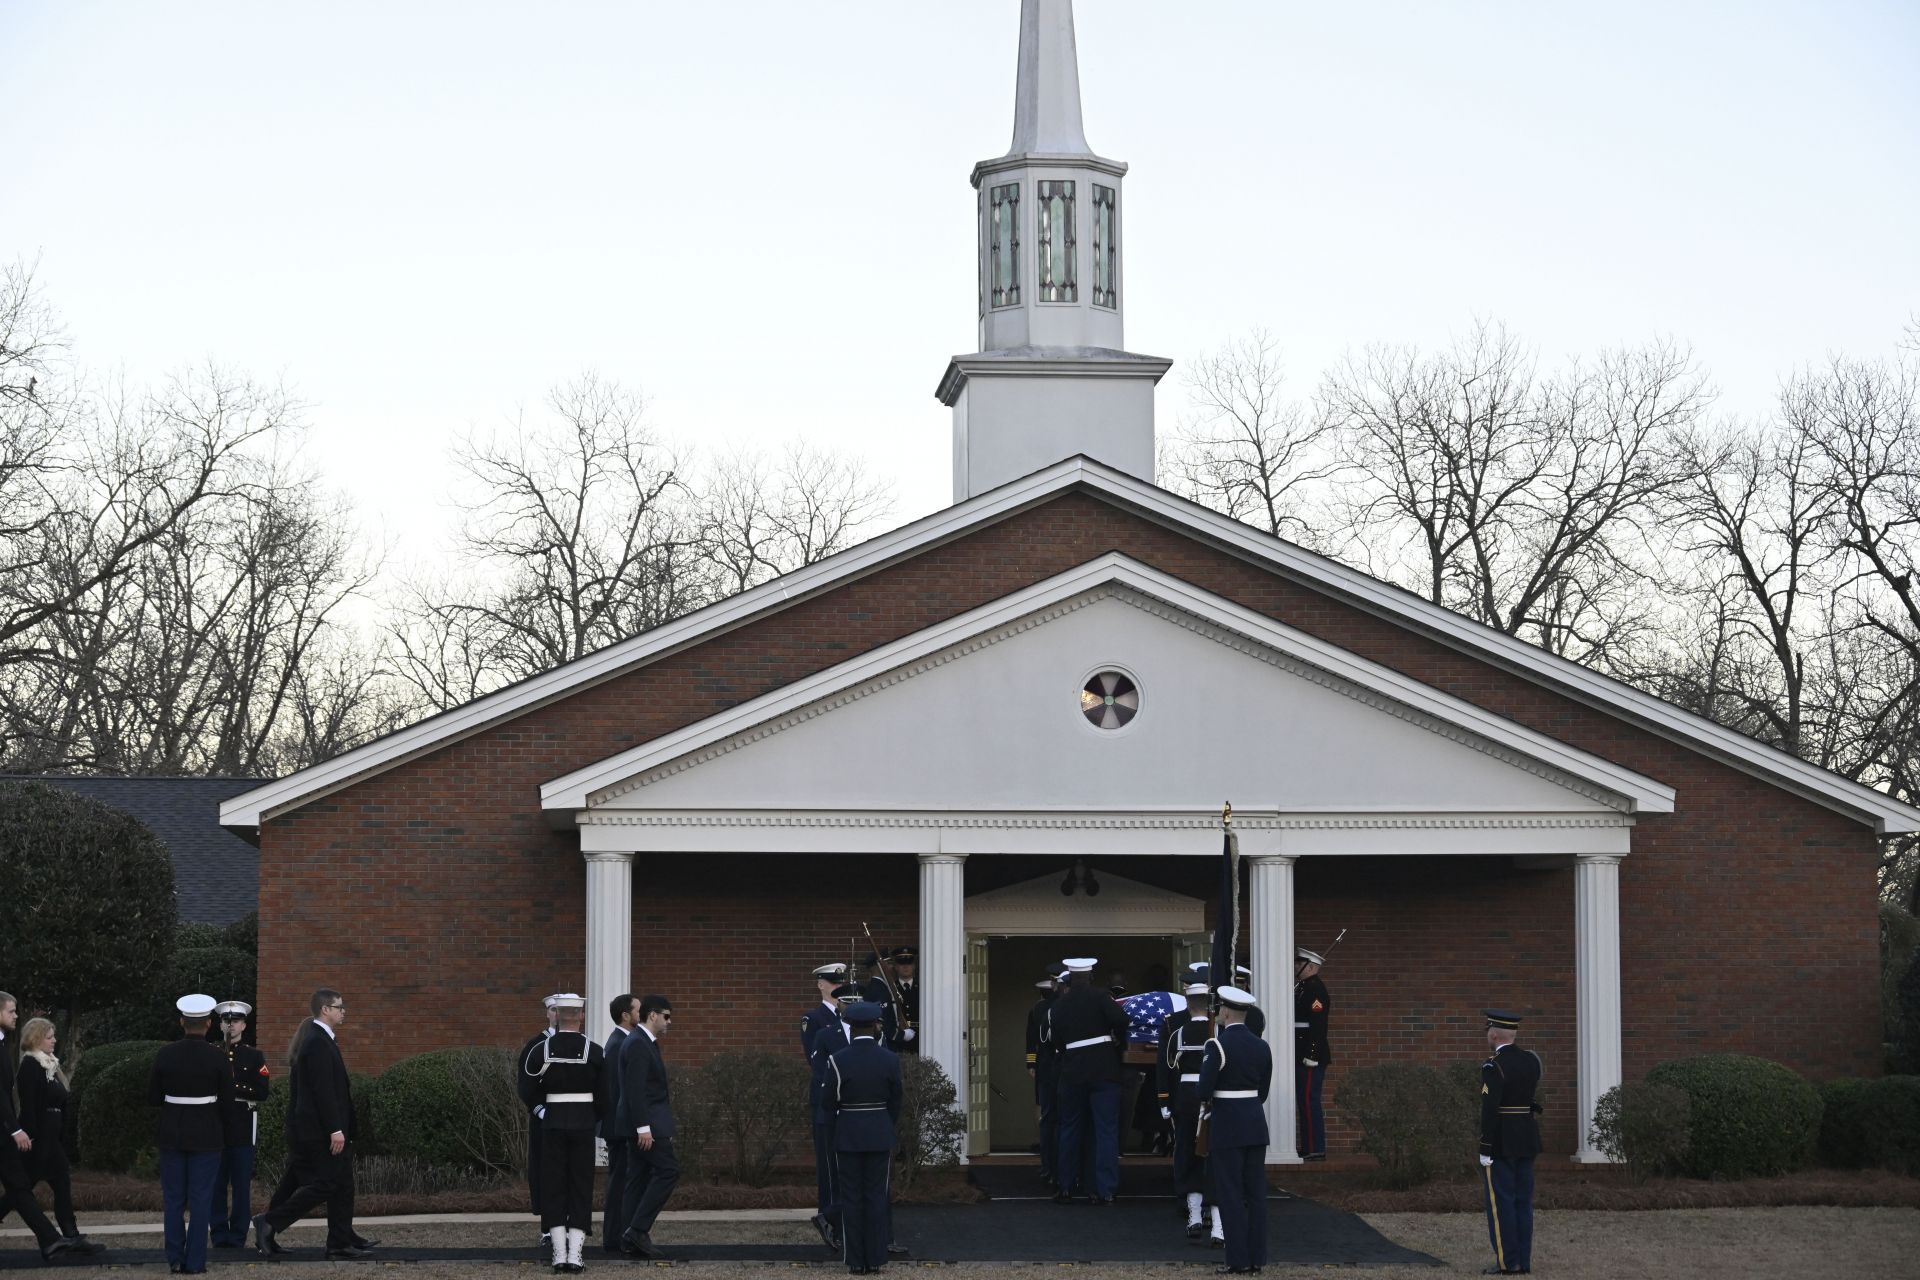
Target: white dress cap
1083	964
233	1006
1311	957
1197	988
1235	998
566	1000
194	1006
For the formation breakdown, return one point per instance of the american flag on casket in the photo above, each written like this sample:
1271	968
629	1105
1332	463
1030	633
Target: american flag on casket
1147	1011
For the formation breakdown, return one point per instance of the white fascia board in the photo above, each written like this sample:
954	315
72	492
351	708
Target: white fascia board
250	808
1855	800
576	790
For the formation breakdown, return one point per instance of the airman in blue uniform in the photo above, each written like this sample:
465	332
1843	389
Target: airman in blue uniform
816	1019
1509	1141
1235	1076
866	1090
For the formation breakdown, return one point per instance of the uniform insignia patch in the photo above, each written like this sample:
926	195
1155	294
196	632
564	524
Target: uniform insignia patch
1483	1088
1318	1007
803	1022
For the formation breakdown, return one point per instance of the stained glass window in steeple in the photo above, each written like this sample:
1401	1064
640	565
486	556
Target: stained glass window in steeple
1004	253
1106	247
1057	277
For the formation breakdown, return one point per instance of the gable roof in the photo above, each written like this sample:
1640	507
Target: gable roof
1855	800
216	874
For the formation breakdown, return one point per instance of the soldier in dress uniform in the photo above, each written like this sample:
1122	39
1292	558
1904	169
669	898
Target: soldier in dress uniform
828	1039
1256	1020
1087	1024
865	1092
1235	1076
1183	1049
568	1082
1311	1004
1509	1141
192	1085
826	977
233	1187
1046	1077
906	1013
534	1137
1036	1025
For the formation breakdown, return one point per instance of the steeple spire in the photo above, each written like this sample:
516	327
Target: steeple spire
1046	102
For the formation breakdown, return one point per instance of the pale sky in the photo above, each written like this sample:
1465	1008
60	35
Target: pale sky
420	215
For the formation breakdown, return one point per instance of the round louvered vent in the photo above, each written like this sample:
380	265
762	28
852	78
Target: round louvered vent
1109	700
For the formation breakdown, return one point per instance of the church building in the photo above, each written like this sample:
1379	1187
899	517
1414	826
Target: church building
1004	733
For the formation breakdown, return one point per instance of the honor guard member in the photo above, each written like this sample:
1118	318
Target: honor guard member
1087	1024
569	1087
534	1137
1183	1050
1311	1004
906	1013
1509	1141
233	1187
825	978
1047	1085
1256	1020
865	1089
828	1040
1036	1026
1235	1076
192	1085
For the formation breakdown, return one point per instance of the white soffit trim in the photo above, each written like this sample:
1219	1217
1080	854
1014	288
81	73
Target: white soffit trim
584	788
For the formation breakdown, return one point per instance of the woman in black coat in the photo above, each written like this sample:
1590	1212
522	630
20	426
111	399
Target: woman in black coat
43	1113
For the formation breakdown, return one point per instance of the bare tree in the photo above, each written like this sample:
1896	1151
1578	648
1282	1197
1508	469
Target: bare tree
761	519
1243	447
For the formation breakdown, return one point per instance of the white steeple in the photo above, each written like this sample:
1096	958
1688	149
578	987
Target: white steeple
1051	378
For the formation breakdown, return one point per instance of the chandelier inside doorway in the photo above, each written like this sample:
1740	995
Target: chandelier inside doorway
1080	876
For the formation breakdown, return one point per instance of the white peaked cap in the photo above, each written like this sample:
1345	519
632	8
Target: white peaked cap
233	1006
1311	957
1080	964
194	1006
1235	998
1197	988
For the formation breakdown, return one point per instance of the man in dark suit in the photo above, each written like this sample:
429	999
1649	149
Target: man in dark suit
866	1089
14	1146
319	1137
1509	1141
192	1084
624	1008
1235	1077
645	1119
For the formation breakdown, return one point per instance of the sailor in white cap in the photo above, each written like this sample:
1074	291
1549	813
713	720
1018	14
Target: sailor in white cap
534	1135
1235	1076
569	1088
1183	1046
1311	1004
233	1188
1087	1026
192	1084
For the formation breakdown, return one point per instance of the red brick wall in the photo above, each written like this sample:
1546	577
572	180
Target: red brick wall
438	899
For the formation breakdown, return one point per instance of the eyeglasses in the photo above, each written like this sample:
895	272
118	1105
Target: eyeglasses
337	1008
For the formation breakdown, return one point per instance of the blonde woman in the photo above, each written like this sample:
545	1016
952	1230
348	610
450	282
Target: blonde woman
43	1114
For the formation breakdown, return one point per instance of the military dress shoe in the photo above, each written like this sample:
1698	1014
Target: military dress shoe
350	1253
895	1251
824	1228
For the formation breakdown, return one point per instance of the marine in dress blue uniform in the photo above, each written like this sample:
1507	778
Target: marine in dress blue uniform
1183	1050
1509	1141
1235	1076
866	1091
191	1084
829	1038
233	1187
569	1088
1086	1025
1311	1005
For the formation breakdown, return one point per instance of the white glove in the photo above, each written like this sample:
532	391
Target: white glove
1486	1162
541	1111
1308	1062
1166	1113
907	1034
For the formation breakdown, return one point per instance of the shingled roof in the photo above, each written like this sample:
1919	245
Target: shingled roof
216	874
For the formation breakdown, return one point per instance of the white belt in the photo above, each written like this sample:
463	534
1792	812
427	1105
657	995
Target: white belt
191	1102
1190	1078
569	1097
1235	1093
1299	1024
1088	1044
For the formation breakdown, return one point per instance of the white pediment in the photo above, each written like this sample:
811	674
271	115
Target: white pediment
983	716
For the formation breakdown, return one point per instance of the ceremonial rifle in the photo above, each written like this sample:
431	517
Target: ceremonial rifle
884	964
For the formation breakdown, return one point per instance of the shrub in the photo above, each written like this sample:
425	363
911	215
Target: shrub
1414	1120
271	1146
223	972
452	1107
117	1122
1899	944
1871	1124
752	1112
1907	994
92	1064
1644	1126
243	934
932	1128
1746	1116
197	933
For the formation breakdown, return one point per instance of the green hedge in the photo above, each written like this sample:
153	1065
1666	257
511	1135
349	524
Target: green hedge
1415	1120
116	1120
454	1107
1872	1124
1747	1116
93	1063
1644	1126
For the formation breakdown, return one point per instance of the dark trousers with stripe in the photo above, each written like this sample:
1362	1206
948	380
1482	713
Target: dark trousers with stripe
1189	1169
1312	1120
1090	1116
826	1194
1239	1177
1509	1187
1048	1092
233	1196
865	1223
566	1180
186	1197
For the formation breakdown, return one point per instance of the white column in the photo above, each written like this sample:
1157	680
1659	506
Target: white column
609	935
1270	924
943	966
1596	945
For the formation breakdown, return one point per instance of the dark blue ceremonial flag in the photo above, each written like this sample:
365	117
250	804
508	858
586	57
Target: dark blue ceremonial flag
1226	920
